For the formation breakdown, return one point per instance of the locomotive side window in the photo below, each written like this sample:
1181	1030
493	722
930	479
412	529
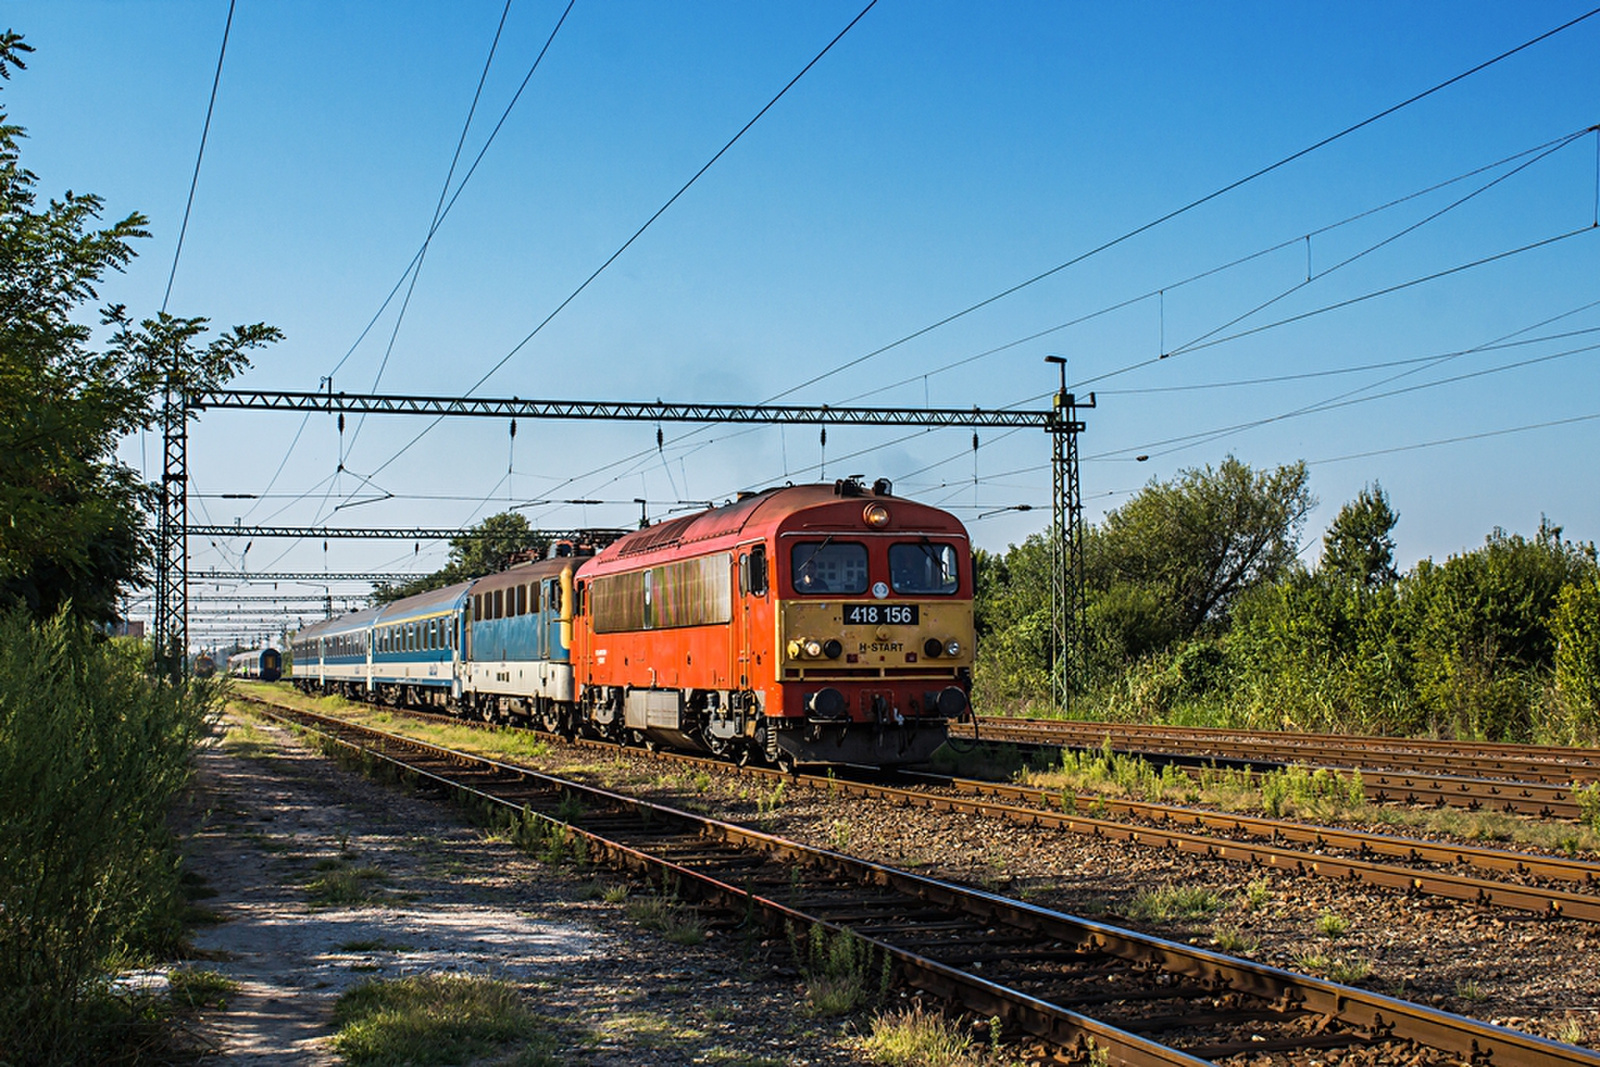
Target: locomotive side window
499	611
829	567
923	569
522	600
693	592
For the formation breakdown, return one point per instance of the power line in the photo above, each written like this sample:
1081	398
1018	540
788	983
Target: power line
1457	440
195	181
1210	272
1190	206
647	224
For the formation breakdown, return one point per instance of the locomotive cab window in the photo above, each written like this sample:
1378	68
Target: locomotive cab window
923	569
829	567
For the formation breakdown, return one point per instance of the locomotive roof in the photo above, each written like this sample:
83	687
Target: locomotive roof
770	508
526	572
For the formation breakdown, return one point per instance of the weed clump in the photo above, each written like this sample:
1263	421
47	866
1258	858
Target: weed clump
93	752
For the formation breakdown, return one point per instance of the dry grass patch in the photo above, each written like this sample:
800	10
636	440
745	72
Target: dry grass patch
436	1019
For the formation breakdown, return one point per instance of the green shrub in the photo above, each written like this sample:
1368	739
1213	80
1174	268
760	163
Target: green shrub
92	754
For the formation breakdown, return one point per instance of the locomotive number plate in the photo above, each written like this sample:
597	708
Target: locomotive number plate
880	614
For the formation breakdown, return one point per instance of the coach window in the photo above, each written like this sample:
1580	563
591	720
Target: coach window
923	569
522	600
829	567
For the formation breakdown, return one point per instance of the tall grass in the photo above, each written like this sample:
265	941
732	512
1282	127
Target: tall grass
92	754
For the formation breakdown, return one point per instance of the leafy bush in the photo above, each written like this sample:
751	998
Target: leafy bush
92	754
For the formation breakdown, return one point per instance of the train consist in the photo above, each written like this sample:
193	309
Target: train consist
265	664
804	624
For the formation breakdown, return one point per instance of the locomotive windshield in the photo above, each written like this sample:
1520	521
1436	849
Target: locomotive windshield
923	569
829	567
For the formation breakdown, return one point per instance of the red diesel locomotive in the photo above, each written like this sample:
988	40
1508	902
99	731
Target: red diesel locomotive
805	624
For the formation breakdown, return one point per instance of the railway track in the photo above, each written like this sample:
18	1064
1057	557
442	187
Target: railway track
1077	985
1554	763
1525	780
1538	883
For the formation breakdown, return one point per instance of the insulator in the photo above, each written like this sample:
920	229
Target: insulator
341	422
824	437
513	428
660	439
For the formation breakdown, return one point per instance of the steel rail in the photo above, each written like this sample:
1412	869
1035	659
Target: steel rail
1168	833
1544	799
1508	757
1371	1016
1361	842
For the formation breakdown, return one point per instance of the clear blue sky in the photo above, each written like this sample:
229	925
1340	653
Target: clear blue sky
939	154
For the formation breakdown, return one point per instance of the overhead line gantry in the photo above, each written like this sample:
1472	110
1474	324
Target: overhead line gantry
1060	420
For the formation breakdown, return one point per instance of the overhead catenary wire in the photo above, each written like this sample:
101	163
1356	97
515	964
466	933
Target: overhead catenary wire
440	213
194	182
1159	293
1191	205
438	209
640	231
1526	157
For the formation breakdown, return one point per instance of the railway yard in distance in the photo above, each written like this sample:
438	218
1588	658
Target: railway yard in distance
1094	909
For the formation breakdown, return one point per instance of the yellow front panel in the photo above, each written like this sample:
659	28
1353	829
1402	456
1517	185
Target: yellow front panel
885	646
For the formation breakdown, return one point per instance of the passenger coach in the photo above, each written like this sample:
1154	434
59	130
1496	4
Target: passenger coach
265	664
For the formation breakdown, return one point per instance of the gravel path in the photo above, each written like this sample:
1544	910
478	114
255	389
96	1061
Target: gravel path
270	831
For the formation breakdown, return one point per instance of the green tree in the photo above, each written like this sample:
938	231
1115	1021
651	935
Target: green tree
1011	614
1576	626
487	548
1358	549
1482	639
74	527
1198	542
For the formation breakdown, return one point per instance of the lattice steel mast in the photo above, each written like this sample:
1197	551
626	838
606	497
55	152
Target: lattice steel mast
1068	640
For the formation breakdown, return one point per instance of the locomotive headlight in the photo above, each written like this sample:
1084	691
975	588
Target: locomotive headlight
933	648
952	647
832	647
795	648
813	647
875	516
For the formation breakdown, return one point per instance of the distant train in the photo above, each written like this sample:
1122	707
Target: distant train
265	664
803	624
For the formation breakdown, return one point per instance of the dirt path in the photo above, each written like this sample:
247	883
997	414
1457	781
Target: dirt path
324	880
